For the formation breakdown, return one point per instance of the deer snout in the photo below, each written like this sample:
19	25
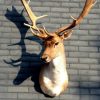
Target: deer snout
45	58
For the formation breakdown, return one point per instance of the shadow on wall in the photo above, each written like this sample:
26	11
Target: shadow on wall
27	68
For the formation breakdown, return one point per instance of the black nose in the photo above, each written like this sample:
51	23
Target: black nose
45	58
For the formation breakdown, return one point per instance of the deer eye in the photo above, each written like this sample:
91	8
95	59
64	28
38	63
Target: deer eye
56	43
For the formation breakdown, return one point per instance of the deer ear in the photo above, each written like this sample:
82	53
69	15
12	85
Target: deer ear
66	34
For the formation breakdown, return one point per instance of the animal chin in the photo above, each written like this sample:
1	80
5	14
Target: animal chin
47	61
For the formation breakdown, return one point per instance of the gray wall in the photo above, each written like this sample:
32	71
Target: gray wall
20	51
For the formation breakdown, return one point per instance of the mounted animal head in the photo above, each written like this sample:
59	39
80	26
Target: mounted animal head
53	42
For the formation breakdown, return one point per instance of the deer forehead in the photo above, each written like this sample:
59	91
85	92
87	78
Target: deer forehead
52	39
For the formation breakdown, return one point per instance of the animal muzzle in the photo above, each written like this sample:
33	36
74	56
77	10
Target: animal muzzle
46	58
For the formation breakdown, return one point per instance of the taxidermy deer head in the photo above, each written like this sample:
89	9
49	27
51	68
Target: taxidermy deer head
53	76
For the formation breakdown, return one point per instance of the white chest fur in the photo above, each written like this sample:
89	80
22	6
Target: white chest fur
56	72
55	76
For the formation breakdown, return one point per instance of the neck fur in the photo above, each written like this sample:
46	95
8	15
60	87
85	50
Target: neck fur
58	62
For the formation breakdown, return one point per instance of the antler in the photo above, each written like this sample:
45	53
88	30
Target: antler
34	18
85	11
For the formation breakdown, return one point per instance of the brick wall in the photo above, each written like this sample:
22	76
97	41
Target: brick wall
20	51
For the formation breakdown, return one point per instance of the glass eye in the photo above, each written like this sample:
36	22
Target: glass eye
56	43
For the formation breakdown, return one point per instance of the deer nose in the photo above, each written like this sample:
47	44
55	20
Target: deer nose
45	58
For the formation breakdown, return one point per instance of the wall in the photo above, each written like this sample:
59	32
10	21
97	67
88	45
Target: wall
20	51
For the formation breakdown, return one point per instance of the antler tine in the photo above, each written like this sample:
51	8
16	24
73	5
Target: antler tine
41	36
49	34
73	17
28	1
87	7
32	16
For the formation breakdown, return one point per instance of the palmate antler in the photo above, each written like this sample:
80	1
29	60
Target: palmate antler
85	11
43	33
34	18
